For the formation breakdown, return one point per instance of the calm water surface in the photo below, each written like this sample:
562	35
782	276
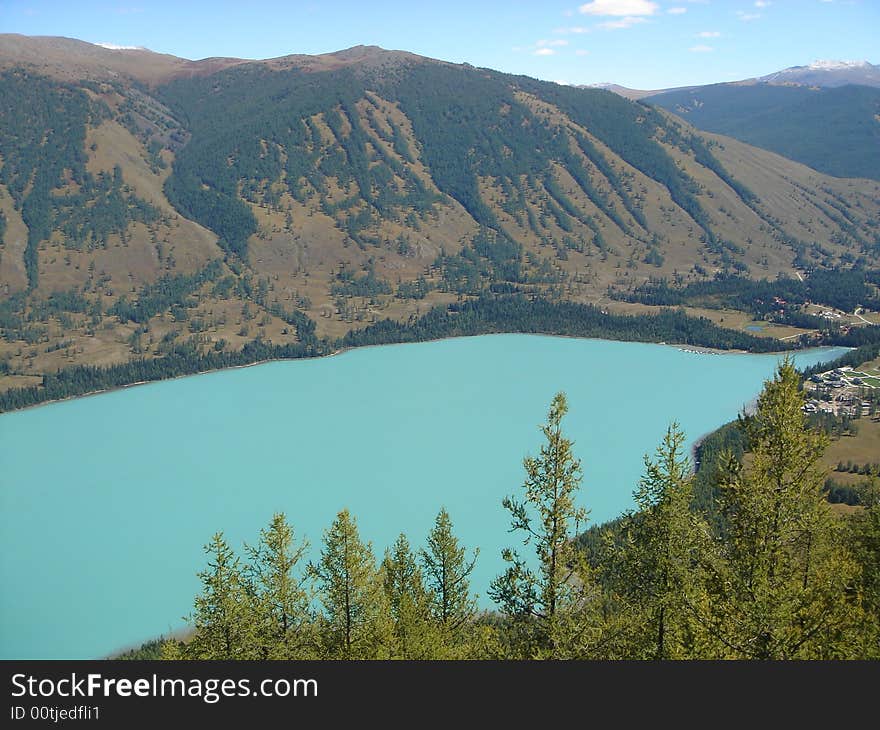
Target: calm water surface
106	502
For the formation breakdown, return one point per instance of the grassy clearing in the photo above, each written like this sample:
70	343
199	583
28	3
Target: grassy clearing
729	318
19	381
871	368
845	509
862	448
847	479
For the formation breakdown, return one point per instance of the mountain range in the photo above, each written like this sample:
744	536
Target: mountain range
822	74
791	112
150	201
827	74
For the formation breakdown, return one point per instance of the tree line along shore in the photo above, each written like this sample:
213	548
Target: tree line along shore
485	315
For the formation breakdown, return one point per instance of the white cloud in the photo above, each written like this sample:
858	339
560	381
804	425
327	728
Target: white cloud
762	3
677	11
562	83
709	34
746	17
626	22
581	52
701	49
557	42
545	52
619	8
576	29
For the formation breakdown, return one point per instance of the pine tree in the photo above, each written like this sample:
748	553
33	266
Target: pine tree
282	598
416	636
783	588
549	519
402	575
657	560
447	576
224	614
357	621
173	650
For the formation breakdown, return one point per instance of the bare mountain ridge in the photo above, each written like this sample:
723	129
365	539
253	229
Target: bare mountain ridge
70	59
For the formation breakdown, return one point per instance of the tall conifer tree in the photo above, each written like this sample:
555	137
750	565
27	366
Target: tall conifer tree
657	560
279	589
549	519
447	573
416	634
224	615
357	621
784	588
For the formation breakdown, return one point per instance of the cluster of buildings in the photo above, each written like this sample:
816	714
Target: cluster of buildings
841	391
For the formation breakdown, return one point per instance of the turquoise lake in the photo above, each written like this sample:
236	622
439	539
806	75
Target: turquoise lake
106	501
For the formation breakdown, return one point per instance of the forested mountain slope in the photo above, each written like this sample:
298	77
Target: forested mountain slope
834	130
165	205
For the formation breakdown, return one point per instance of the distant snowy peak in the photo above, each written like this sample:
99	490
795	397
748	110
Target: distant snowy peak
828	73
835	65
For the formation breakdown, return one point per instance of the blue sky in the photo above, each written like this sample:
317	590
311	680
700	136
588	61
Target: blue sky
637	43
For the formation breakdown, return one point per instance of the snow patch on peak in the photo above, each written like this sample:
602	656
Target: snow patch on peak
837	65
115	47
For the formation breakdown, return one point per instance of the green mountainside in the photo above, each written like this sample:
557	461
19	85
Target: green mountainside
834	130
166	215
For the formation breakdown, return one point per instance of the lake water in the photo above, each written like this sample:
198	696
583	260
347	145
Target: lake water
106	502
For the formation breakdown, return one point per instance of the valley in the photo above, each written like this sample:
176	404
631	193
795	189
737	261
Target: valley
514	366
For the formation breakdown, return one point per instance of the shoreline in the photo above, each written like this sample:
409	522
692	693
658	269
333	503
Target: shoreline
681	347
